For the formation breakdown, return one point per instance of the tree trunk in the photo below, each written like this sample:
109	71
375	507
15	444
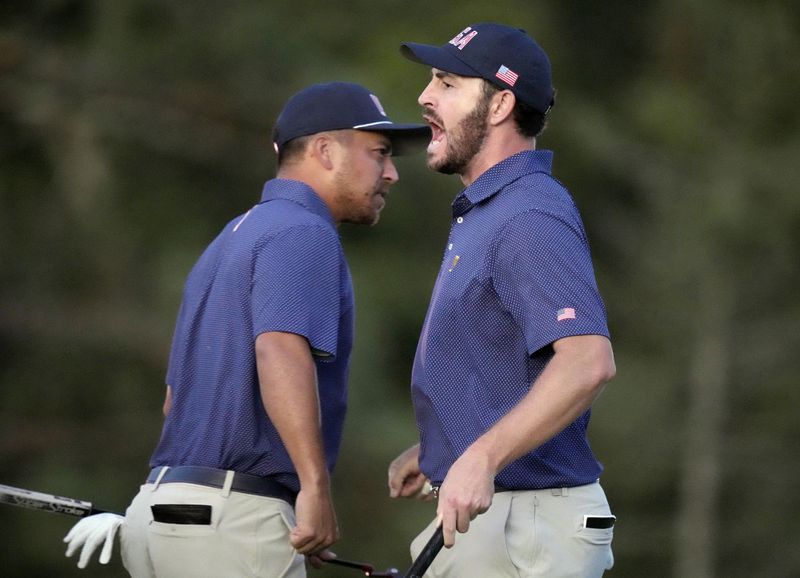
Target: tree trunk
701	472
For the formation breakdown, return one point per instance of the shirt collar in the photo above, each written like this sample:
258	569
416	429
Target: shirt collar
500	175
296	192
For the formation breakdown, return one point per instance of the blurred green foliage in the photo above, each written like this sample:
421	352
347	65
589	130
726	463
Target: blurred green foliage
132	130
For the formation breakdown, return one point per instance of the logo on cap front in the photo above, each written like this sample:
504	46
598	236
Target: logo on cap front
461	39
377	104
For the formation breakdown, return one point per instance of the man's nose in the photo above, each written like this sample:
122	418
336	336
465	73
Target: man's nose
424	98
390	171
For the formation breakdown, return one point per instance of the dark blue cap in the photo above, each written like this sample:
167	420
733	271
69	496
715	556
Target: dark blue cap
344	105
507	57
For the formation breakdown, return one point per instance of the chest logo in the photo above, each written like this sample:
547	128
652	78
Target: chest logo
454	263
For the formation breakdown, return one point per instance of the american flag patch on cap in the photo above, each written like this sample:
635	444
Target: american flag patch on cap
507	75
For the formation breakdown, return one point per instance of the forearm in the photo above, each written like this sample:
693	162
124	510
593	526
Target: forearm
568	385
566	388
288	382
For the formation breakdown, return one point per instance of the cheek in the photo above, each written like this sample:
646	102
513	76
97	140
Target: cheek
454	113
374	170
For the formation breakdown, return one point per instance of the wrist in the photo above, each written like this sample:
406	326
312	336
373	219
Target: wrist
484	455
316	483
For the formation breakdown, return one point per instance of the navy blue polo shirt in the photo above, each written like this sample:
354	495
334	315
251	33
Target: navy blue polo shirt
516	276
278	267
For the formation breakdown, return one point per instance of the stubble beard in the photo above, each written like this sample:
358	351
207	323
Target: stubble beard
355	210
464	142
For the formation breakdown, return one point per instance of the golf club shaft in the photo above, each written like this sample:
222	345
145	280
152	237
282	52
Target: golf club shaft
79	508
425	558
350	564
53	504
46	502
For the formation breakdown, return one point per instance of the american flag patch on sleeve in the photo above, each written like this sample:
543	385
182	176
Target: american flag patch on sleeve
566	313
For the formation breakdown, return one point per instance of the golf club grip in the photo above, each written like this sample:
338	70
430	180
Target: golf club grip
429	552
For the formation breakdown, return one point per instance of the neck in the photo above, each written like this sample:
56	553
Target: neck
497	148
315	180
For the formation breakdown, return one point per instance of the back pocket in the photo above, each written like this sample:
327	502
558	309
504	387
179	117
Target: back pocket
192	514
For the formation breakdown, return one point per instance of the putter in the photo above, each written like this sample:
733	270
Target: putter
80	509
418	568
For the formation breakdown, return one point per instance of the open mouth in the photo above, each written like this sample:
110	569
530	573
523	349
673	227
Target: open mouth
437	131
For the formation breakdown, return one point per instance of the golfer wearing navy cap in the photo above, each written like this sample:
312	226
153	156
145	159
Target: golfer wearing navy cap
257	377
515	347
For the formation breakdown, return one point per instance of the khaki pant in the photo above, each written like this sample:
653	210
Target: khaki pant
248	536
529	534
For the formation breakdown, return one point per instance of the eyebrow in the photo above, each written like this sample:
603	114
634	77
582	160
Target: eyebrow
440	74
385	142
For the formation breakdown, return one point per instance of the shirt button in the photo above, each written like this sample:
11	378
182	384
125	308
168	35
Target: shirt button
460	220
450	247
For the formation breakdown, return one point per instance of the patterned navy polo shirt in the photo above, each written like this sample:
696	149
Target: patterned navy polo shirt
278	267
516	276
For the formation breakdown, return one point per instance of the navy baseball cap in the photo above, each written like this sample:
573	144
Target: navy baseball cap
506	57
344	105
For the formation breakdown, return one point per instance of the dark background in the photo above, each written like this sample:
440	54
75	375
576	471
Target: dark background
132	130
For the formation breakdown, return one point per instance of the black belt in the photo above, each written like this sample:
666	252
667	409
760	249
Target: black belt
435	490
214	478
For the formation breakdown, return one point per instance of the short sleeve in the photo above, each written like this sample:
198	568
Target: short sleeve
296	285
542	272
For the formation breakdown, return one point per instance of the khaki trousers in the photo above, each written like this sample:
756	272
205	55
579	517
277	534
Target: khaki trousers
529	534
248	536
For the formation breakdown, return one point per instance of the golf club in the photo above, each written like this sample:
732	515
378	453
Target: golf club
418	568
80	509
46	502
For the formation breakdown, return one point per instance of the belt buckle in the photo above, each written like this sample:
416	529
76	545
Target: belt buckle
429	489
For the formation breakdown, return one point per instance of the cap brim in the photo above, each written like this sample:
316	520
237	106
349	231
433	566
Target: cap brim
436	57
406	138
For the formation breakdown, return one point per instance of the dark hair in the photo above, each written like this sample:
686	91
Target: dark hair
530	123
292	150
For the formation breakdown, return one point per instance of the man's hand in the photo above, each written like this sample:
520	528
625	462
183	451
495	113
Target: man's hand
89	533
405	478
316	527
466	492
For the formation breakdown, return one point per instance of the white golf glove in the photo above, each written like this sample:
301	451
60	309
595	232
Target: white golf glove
89	533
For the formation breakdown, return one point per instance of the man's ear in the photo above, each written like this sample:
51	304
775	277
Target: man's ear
322	148
502	106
